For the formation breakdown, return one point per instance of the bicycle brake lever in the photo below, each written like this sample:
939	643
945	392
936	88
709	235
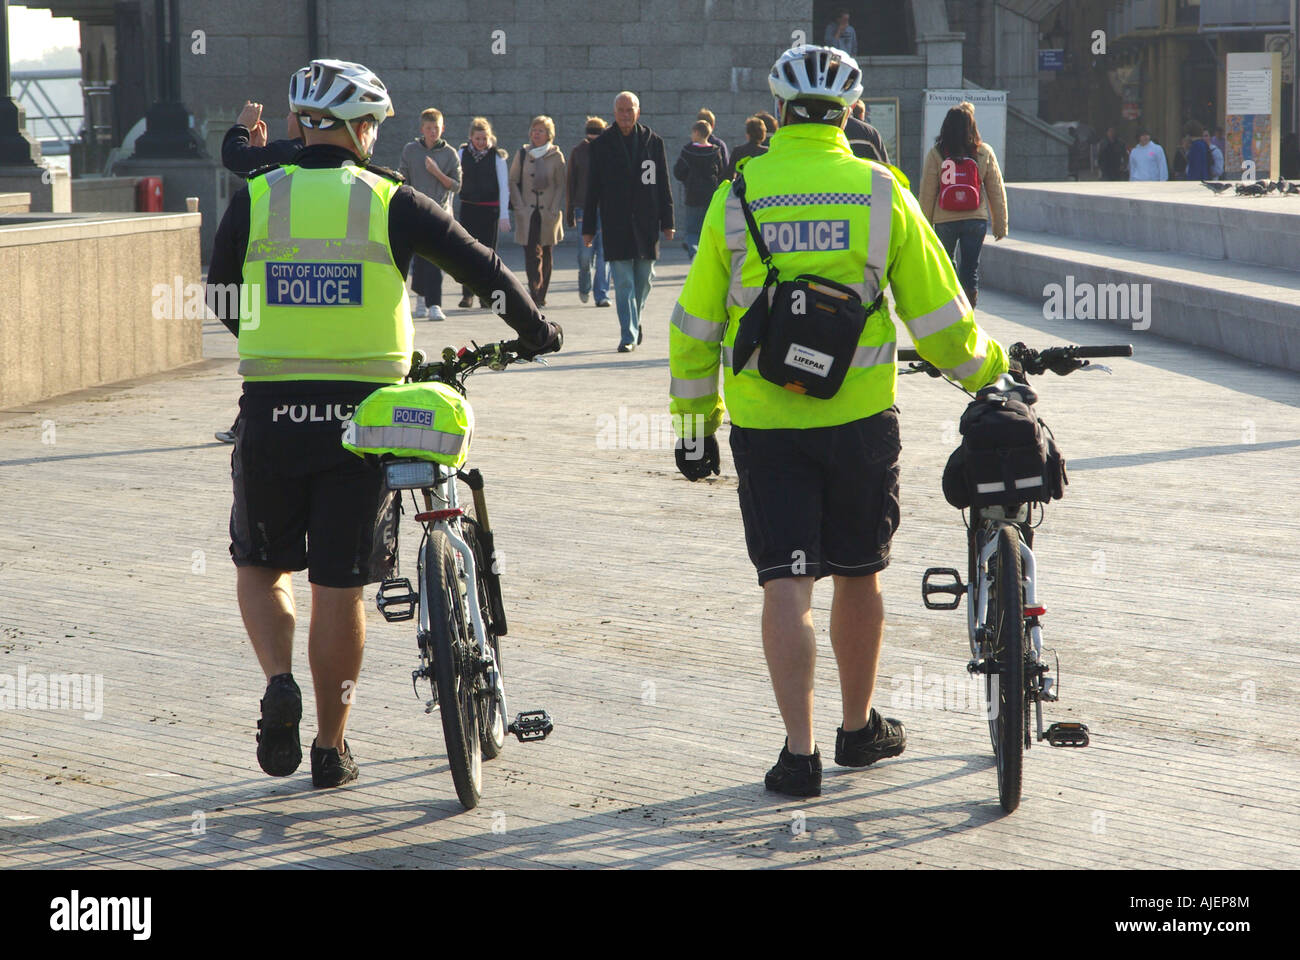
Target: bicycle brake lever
1099	367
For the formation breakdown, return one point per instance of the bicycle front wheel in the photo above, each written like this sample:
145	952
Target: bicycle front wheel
451	644
1005	650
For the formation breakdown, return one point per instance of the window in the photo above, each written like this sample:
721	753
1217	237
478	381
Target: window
881	28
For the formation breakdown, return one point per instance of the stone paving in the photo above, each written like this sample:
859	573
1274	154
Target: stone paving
1169	574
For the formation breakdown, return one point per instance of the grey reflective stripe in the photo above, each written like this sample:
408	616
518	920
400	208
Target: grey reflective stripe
684	389
359	205
1021	484
930	323
279	199
408	438
975	364
882	221
371	251
697	327
735	227
393	370
281	244
869	356
739	295
728	355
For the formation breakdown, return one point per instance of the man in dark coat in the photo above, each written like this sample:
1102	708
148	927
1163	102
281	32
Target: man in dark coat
629	190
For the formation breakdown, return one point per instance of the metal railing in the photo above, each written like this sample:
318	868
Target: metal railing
58	134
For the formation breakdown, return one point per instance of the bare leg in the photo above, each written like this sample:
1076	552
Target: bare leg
266	603
857	627
334	647
790	647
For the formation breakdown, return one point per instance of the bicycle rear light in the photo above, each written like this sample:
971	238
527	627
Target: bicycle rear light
410	474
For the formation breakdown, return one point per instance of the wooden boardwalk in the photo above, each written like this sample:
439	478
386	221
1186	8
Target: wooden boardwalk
1169	572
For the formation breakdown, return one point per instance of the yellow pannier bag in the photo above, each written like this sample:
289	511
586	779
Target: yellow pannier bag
430	421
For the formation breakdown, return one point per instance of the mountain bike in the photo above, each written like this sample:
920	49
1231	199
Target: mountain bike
461	614
1004	613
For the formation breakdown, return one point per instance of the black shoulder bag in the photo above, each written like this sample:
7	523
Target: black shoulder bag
806	332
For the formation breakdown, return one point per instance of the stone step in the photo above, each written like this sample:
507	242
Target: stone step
1176	217
1248	311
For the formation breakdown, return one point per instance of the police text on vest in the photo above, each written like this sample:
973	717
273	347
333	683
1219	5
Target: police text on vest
313	284
791	236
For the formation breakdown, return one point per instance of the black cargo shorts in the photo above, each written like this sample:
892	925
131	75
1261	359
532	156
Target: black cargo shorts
819	501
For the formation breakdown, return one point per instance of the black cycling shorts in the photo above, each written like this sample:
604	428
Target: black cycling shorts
819	501
302	502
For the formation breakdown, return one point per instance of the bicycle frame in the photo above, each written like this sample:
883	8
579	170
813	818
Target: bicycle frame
450	524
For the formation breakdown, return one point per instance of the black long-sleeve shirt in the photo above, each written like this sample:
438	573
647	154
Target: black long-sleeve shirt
416	225
238	156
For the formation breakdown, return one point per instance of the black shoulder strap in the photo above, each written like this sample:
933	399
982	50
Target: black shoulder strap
738	188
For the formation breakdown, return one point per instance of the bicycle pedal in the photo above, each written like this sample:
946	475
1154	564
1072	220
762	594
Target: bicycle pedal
1068	735
396	600
956	588
532	725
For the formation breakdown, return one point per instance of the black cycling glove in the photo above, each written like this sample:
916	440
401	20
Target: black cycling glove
549	342
696	463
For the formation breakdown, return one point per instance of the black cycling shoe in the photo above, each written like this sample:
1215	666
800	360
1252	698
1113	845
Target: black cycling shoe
882	737
796	776
278	749
329	768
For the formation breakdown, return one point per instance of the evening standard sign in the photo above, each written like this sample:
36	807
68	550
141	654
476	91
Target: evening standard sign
313	284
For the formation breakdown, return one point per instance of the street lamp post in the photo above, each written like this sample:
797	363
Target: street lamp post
17	147
167	132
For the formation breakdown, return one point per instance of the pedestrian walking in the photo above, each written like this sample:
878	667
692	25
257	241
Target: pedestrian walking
1112	157
537	183
1215	155
629	191
344	229
431	166
962	194
700	168
707	116
1146	161
818	475
590	281
484	192
754	145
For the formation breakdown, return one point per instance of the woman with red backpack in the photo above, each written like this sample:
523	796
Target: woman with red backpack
961	191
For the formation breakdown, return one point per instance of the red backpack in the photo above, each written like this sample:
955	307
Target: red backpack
959	185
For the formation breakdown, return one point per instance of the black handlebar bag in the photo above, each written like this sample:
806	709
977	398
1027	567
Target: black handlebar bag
807	328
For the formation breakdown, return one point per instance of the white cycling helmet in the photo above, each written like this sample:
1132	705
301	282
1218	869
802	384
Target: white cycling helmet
809	72
341	90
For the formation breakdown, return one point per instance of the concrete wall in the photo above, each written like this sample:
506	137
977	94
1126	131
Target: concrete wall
78	301
564	58
15	202
104	195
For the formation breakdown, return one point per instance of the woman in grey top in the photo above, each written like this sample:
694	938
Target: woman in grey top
432	167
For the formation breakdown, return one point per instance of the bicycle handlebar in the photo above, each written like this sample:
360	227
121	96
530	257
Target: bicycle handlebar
458	364
1062	360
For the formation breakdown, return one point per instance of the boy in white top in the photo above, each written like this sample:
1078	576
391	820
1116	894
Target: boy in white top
1146	161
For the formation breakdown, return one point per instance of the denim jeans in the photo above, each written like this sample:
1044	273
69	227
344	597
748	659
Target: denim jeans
631	290
692	223
586	255
968	237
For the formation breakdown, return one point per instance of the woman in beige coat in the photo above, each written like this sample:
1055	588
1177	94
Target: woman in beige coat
958	139
537	179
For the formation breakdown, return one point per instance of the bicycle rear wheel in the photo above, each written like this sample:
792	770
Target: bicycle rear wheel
1005	648
452	646
492	712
